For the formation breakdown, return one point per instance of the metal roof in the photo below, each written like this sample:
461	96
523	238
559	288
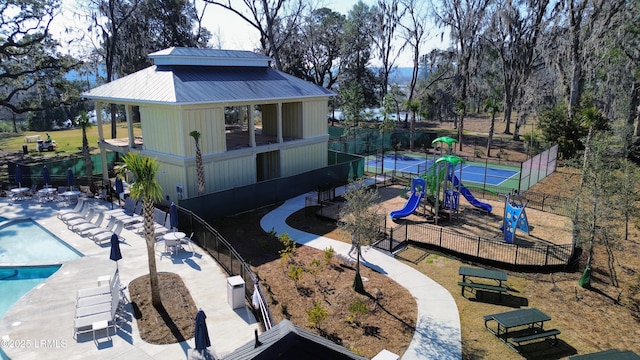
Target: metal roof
287	341
183	84
208	57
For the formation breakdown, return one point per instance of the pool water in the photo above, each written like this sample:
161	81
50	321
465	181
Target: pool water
17	281
25	242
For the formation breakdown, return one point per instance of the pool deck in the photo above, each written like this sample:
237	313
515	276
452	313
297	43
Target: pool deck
42	321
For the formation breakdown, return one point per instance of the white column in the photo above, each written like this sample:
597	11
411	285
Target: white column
103	151
251	128
132	138
279	122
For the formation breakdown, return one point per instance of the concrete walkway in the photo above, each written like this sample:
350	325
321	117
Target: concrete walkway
40	324
437	334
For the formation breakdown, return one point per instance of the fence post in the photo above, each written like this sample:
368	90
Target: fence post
440	236
478	252
515	261
546	258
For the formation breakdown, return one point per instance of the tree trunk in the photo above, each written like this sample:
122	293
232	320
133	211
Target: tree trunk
200	170
358	285
508	106
149	233
460	128
491	129
15	125
587	149
634	102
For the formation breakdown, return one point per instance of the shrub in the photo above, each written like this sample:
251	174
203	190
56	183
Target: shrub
329	253
295	274
317	315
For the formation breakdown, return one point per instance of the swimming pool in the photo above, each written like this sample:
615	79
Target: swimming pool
17	281
25	242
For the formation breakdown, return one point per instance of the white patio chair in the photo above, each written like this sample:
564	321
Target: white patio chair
188	241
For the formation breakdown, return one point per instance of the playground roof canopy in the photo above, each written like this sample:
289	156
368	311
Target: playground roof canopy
451	159
444	139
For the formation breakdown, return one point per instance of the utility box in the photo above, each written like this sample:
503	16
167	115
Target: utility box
235	292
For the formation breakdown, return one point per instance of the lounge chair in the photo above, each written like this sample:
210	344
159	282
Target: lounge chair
159	219
129	207
102	237
75	210
80	220
108	229
99	311
88	225
71	216
131	218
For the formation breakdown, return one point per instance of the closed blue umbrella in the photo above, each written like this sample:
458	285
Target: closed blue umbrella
45	176
119	188
173	215
115	254
201	333
69	178
19	175
119	185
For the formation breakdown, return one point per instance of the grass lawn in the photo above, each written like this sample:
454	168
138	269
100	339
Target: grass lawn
69	140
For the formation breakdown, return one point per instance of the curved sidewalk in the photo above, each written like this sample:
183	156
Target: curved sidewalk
437	334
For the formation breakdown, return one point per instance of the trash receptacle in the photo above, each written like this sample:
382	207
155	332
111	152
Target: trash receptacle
235	292
25	150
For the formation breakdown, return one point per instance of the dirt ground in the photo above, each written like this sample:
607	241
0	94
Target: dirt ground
543	227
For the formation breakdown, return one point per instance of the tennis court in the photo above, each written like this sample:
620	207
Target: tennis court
474	174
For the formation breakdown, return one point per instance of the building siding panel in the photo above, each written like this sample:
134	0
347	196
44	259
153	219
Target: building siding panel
315	118
303	159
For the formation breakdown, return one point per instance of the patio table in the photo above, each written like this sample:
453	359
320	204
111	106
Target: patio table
68	195
19	192
46	193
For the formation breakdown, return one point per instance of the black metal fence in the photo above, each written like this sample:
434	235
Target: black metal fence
227	257
477	247
237	200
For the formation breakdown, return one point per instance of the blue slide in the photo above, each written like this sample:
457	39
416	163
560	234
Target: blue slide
469	196
417	192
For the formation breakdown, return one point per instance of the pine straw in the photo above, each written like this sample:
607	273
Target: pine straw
172	323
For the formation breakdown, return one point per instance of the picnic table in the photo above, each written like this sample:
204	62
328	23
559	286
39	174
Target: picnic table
520	326
468	274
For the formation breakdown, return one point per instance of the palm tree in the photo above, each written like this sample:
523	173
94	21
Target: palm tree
199	168
83	121
146	188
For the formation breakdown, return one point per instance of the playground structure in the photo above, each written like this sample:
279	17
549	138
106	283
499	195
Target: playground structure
514	218
440	179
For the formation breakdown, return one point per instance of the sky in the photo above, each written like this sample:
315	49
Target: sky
236	34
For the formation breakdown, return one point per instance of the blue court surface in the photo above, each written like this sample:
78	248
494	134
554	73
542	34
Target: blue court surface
482	175
470	173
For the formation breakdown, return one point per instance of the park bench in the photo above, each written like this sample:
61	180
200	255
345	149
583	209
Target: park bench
468	274
538	335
